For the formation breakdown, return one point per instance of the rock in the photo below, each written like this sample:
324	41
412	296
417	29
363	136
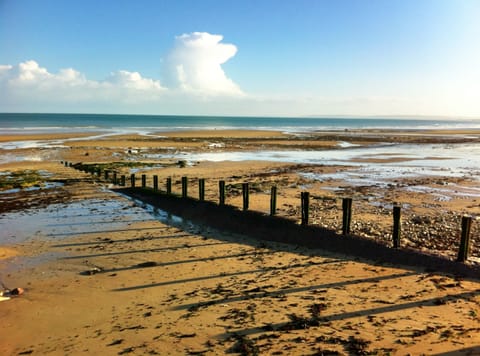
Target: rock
91	272
17	291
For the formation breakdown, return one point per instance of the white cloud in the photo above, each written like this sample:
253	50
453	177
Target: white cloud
4	72
132	80
193	68
28	83
30	74
195	65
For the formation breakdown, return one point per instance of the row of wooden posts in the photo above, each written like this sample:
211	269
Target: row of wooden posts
305	204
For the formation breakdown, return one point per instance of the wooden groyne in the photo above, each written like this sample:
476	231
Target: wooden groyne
274	228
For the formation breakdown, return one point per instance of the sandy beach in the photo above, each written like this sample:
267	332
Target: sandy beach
104	274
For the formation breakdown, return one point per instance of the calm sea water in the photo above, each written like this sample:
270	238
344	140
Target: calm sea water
38	123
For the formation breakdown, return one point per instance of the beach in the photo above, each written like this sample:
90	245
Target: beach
104	273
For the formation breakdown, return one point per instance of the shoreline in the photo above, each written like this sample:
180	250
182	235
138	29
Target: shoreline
43	133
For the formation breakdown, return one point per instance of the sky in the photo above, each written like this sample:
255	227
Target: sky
249	57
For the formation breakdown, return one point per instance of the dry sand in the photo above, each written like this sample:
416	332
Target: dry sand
102	275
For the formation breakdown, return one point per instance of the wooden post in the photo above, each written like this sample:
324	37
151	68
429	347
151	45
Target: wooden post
144	180
221	187
305	199
465	239
115	178
347	215
169	185
122	180
273	200
132	180
106	174
245	194
155	183
396	226
184	187
201	189
99	172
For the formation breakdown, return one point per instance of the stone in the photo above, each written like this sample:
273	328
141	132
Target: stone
17	291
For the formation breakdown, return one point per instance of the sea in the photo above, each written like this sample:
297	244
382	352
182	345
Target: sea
32	123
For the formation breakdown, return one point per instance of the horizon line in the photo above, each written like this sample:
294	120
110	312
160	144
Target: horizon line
314	116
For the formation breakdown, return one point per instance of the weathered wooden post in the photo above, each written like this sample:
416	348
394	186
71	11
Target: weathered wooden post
201	189
132	180
106	174
115	178
347	215
144	180
305	199
221	187
122	180
184	187
464	239
245	194
273	200
169	185
155	183
99	172
397	226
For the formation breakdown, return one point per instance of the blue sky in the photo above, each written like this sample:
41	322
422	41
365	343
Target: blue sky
292	58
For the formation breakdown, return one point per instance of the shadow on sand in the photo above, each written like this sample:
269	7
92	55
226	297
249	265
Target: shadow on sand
259	226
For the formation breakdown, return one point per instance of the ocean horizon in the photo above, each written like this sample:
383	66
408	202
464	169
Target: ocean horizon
31	123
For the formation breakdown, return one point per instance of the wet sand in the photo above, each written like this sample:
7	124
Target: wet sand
105	275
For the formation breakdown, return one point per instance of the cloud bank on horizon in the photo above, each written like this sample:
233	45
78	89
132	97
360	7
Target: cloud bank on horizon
193	67
193	82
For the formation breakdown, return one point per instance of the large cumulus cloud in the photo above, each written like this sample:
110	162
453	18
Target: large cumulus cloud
195	64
